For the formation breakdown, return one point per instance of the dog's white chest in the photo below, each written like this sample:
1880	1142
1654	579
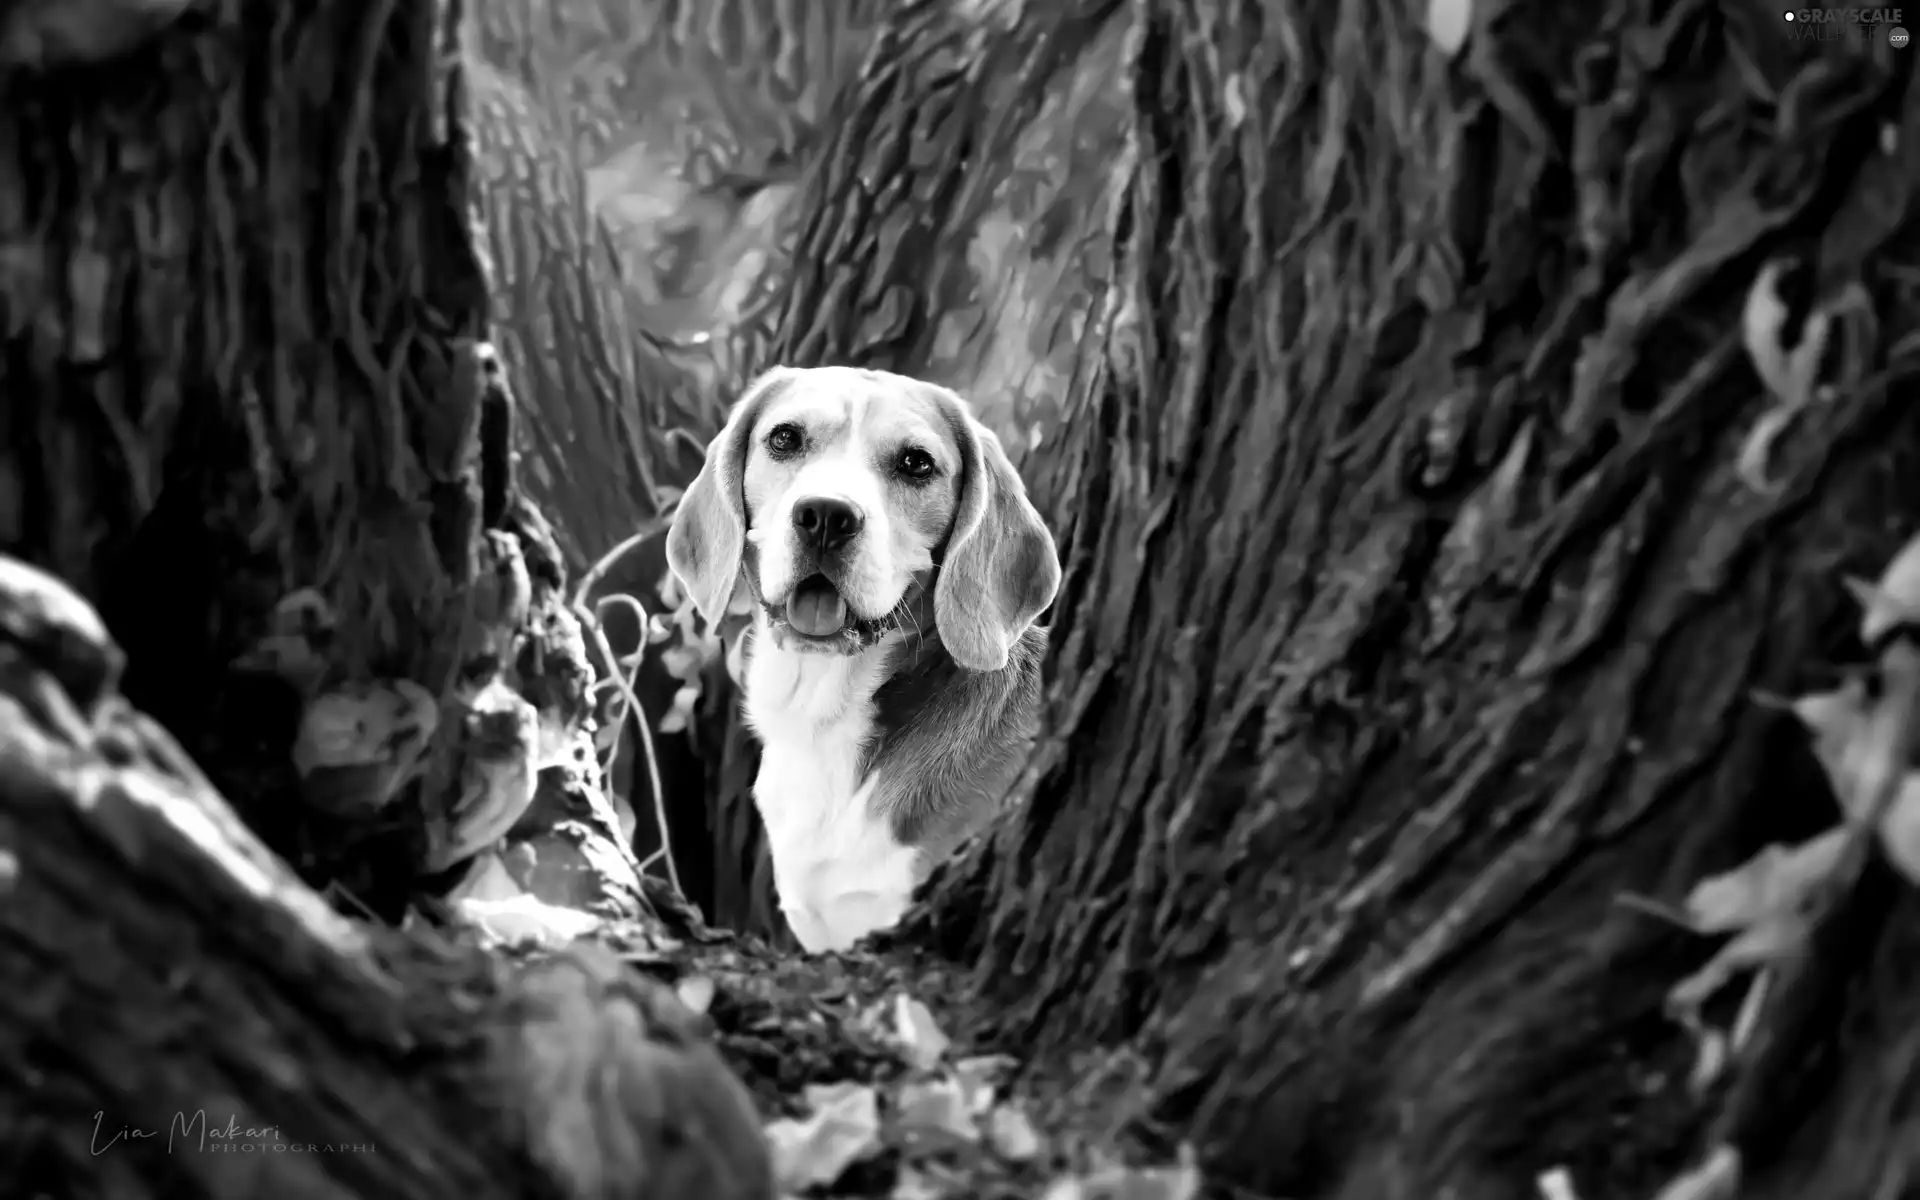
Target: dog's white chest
840	871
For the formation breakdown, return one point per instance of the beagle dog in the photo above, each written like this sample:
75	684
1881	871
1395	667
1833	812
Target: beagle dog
894	568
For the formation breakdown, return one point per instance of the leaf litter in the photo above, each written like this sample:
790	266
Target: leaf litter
1866	737
940	1124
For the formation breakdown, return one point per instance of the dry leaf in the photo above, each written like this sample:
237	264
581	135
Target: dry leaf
525	918
1557	1184
1716	1179
1448	24
1773	885
817	1150
937	1109
679	715
1790	375
979	1077
1832	716
1895	599
1851	746
1178	1182
1012	1134
696	992
1900	829
1769	903
1233	98
916	1185
919	1034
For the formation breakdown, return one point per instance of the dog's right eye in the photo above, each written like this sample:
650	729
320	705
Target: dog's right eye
785	439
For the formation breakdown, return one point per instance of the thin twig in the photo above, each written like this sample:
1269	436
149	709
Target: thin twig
626	684
598	570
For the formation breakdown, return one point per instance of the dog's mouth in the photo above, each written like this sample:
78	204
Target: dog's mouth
815	610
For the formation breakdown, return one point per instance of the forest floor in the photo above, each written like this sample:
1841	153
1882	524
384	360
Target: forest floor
870	1084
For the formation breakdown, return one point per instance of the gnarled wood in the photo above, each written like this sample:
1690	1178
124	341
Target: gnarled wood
183	1016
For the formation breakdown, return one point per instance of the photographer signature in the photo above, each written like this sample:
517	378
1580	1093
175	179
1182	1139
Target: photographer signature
182	1126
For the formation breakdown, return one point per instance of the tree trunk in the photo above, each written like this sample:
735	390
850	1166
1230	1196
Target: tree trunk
1413	603
296	1053
249	411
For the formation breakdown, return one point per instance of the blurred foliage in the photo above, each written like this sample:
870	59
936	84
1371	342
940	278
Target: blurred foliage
604	411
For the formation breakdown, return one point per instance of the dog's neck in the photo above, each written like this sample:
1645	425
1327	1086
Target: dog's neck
809	684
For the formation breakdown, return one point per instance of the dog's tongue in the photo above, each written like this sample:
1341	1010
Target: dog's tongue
816	610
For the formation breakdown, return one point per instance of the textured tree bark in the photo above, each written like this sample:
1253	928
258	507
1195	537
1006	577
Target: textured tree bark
247	409
1413	603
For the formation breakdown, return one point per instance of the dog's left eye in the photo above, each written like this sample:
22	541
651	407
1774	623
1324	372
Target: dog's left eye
915	464
784	439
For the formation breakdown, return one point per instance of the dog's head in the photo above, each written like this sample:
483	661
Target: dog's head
833	491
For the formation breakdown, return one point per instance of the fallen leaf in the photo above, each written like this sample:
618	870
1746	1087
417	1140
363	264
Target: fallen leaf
815	1151
1900	829
1895	599
979	1077
1840	722
918	1032
696	992
1178	1182
915	1185
1770	886
1556	1184
1448	23
524	918
1790	375
679	715
1012	1134
1233	98
1769	903
1716	1179
936	1108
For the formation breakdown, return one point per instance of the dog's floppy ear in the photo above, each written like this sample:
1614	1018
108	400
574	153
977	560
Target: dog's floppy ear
709	531
1000	571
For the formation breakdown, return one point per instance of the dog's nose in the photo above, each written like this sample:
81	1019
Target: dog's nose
826	523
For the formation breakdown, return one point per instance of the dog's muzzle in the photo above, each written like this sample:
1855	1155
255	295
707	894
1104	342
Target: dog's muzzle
816	615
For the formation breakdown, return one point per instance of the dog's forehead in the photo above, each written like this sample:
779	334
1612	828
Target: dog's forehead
872	406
